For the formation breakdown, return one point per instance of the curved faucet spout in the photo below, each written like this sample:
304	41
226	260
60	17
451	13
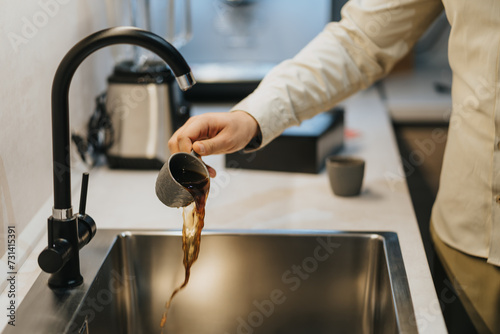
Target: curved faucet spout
60	90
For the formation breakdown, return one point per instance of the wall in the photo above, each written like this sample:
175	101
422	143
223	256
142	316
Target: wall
34	36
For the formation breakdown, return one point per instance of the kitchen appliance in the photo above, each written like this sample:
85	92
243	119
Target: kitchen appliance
144	106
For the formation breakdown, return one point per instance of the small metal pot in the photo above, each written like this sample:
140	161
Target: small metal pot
168	188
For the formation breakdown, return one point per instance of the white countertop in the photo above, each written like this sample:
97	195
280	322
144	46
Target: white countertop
411	97
243	199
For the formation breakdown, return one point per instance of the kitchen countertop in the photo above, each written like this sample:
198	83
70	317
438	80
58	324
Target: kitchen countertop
421	96
244	199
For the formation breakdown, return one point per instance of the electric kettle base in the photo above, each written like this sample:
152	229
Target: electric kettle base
145	109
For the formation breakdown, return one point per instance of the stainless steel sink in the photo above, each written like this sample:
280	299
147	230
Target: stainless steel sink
252	282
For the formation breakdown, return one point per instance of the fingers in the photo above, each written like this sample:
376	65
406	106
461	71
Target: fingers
185	144
181	140
219	144
211	171
214	133
200	148
195	129
173	143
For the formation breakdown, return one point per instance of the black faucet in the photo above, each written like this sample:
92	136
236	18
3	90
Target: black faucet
68	232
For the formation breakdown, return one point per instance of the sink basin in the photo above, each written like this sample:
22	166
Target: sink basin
254	282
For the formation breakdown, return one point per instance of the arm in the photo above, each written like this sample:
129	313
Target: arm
345	57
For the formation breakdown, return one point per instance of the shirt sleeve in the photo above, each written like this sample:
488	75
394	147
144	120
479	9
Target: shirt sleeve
345	57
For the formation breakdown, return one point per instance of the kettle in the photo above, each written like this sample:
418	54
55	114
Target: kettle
145	108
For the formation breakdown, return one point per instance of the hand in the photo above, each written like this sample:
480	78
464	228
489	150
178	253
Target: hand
214	133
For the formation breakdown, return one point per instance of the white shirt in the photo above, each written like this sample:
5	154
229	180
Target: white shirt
371	37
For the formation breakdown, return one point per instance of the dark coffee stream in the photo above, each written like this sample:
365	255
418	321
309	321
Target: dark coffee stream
194	217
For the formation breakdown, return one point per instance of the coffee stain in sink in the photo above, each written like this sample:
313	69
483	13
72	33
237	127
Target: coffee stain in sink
194	219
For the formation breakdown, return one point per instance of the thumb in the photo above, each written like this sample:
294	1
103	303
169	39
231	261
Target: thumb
213	145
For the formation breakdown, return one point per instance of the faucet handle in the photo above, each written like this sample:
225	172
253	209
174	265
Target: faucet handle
52	259
83	193
86	225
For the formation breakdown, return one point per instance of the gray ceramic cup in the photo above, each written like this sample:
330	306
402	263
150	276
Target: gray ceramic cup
168	189
345	174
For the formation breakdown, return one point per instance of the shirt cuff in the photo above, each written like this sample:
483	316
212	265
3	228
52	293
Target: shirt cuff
270	114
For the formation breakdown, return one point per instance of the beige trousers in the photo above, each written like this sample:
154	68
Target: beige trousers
476	282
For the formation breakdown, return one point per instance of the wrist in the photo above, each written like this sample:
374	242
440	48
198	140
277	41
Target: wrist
255	140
